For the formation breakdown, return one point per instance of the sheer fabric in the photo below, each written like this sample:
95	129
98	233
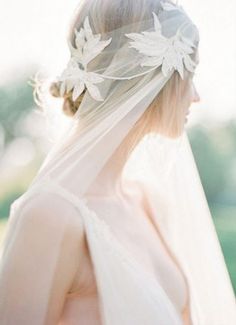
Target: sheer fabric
40	253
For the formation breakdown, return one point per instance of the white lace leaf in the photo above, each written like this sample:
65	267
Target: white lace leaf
88	31
93	77
173	59
136	37
160	50
68	77
72	83
179	65
69	85
154	37
88	45
87	79
80	39
152	61
75	78
76	53
78	89
166	67
94	91
149	43
70	70
189	63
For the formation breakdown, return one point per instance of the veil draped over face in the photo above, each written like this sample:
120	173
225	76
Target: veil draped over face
164	166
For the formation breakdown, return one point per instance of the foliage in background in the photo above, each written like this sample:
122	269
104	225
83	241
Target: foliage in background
215	154
16	101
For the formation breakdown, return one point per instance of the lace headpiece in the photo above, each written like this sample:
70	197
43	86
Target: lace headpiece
169	53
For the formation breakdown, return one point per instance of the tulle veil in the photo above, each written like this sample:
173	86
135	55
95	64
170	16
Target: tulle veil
166	168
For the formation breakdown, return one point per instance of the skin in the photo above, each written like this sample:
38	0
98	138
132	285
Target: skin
109	190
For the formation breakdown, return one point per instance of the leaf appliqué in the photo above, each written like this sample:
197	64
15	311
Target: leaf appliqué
76	77
158	50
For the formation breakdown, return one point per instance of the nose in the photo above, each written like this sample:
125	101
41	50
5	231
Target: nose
196	97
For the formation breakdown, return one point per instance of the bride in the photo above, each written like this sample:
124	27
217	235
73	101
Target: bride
115	228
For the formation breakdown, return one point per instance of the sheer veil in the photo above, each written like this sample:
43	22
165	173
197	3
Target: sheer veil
125	83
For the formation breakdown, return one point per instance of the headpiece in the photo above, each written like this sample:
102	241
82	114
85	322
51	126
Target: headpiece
156	49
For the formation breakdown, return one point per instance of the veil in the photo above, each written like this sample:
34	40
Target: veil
126	78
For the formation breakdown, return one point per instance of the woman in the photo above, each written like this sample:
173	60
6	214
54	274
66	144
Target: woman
115	228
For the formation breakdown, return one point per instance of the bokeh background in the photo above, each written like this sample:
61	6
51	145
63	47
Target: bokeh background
33	37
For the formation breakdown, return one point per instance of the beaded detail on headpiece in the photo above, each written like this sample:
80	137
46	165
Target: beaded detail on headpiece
156	49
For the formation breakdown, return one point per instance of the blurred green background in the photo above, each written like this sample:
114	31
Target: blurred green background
23	146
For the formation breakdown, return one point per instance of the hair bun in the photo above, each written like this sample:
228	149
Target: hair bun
70	107
55	89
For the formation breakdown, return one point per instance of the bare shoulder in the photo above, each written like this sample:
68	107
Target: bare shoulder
42	253
48	210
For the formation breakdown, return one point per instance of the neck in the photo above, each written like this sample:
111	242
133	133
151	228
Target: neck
109	180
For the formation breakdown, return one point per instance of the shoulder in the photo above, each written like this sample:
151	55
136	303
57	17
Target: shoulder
41	255
50	212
